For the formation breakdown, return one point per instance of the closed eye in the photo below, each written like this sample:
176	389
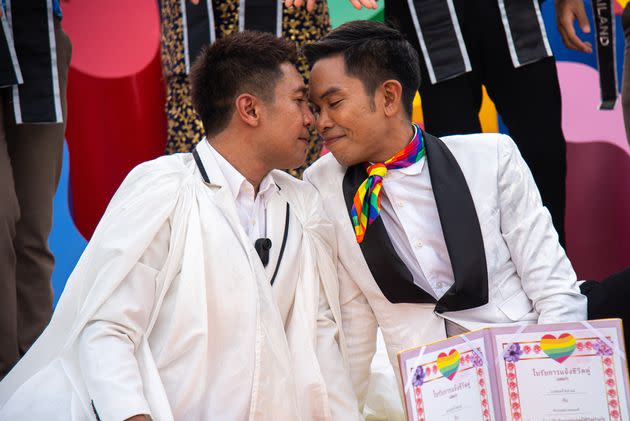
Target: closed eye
334	104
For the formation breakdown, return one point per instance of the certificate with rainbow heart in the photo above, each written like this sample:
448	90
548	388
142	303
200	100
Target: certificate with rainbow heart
449	380
566	371
554	372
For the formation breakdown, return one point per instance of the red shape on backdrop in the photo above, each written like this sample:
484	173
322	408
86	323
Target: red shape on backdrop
115	99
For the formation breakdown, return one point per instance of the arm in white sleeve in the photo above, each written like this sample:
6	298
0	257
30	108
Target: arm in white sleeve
341	397
108	342
546	273
359	327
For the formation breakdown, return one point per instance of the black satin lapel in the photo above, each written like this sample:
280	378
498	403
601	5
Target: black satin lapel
389	271
461	229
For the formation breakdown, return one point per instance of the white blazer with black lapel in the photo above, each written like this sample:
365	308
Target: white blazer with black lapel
506	260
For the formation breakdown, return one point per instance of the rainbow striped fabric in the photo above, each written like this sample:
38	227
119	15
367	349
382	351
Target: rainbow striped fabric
368	196
559	348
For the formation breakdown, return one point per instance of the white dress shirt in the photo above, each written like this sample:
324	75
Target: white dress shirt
251	207
412	222
106	330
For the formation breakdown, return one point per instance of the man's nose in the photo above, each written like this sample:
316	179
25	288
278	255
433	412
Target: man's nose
308	117
323	122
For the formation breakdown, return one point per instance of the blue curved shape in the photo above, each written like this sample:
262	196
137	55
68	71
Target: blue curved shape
65	241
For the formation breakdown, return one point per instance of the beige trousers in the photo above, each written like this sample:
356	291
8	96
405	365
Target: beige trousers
30	166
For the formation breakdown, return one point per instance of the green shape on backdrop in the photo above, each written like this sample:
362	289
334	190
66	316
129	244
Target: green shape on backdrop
342	11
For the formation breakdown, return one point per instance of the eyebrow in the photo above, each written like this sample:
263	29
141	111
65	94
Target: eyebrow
329	91
301	90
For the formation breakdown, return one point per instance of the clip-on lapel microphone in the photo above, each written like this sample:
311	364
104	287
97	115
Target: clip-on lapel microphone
262	246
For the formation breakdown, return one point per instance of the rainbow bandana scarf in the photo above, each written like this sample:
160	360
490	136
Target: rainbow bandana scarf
368	196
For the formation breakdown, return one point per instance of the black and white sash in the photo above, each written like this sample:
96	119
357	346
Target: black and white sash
261	15
200	27
442	44
10	73
440	38
29	23
606	52
525	31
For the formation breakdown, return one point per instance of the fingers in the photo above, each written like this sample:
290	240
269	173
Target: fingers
570	38
580	14
310	4
567	12
356	4
368	4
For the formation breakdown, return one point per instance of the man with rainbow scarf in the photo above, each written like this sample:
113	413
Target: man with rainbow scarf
436	237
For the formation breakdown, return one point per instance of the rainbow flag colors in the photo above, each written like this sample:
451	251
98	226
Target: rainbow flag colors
366	204
559	348
448	364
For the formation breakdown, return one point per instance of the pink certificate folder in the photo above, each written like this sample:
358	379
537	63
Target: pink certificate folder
554	372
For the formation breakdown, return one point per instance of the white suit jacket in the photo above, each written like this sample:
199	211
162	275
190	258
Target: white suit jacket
507	262
199	336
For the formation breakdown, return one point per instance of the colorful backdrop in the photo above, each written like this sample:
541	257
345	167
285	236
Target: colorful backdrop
115	120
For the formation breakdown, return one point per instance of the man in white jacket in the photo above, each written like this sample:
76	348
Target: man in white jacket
208	291
435	236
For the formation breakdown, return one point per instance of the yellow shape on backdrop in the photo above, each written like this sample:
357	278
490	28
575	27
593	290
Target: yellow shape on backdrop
623	3
487	114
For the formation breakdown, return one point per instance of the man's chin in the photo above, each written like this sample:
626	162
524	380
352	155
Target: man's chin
296	163
342	158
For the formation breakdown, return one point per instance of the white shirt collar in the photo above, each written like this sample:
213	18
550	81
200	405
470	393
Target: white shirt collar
413	169
237	182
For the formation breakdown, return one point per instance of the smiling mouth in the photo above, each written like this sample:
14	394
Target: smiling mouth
331	140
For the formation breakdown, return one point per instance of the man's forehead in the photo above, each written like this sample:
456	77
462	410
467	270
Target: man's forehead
291	80
320	93
328	76
330	67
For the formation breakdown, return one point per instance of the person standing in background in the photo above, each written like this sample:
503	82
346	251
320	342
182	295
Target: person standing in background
33	76
501	44
188	25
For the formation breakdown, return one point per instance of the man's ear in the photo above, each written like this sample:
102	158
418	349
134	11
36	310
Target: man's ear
248	109
391	91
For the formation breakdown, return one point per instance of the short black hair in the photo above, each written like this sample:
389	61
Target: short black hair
372	52
247	61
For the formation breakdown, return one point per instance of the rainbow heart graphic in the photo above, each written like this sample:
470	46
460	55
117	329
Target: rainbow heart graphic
448	364
559	348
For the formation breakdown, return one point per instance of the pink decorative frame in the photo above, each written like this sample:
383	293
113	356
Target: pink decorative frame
584	348
465	363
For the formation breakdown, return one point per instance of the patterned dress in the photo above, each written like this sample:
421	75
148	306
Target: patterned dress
184	127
